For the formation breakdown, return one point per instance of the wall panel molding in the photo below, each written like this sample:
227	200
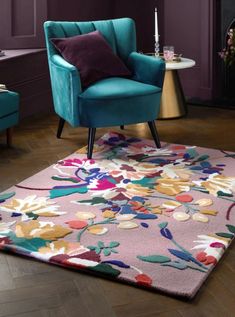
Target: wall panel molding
21	23
189	26
207	46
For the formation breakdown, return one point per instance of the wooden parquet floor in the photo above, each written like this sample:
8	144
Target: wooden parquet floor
32	289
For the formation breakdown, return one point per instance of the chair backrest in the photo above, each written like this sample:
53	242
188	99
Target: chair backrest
119	33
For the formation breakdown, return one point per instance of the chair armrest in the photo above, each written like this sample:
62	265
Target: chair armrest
66	87
147	69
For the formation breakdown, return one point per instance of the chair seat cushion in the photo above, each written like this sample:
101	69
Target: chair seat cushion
92	55
115	101
115	88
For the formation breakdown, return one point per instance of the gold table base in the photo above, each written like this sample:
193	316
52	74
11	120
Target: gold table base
173	103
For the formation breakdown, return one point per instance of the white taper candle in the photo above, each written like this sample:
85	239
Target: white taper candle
156	27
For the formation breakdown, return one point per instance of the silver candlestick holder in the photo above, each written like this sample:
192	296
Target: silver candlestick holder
156	47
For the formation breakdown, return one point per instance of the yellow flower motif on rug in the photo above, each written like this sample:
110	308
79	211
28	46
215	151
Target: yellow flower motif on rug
63	247
41	206
131	169
173	187
176	171
137	190
218	183
40	229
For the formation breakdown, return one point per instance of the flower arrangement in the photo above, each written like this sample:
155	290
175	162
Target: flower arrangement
228	53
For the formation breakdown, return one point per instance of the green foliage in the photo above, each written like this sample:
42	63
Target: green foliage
225	235
27	245
231	228
5	196
163	225
61	192
94	201
105	268
107	250
154	258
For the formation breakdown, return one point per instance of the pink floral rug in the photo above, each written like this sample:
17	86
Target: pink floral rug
158	218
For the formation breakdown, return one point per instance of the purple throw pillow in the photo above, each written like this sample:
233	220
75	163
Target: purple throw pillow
93	57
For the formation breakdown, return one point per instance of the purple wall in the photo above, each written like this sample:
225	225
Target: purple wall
188	26
143	14
79	10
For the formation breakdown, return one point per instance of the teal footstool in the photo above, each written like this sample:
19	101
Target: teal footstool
9	112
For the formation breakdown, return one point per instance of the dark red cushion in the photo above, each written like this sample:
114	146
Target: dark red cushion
92	55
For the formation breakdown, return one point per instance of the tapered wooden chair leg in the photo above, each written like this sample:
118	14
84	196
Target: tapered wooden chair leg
9	134
60	127
154	133
91	139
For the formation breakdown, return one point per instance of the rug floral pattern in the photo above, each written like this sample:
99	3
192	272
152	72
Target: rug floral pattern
158	218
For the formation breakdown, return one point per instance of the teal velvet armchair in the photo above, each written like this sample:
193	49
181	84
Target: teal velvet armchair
113	101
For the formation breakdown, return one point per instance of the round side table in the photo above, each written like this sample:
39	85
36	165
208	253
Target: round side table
173	103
